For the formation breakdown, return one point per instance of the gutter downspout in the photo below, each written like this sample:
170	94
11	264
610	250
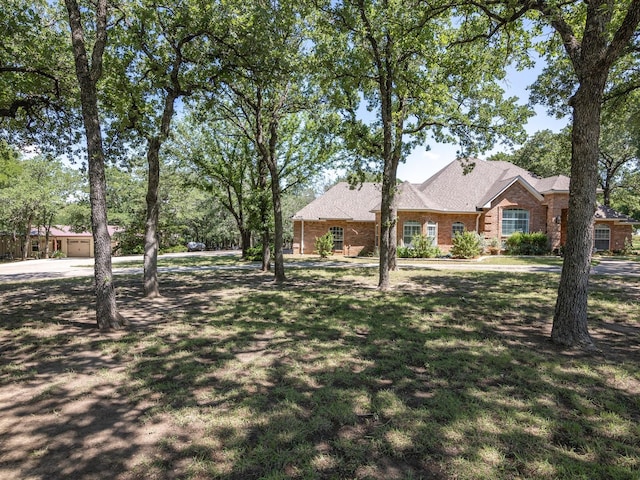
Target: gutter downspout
478	223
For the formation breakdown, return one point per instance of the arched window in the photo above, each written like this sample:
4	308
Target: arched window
602	237
514	220
338	237
409	230
457	227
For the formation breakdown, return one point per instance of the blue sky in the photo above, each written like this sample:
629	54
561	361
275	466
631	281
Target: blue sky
421	164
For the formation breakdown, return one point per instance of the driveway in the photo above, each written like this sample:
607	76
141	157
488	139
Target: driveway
34	270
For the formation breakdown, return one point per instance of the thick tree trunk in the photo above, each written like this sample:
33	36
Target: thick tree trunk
151	241
570	319
278	230
107	314
388	233
276	199
245	239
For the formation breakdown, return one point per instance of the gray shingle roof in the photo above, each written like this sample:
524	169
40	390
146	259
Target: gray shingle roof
449	190
608	213
457	192
342	202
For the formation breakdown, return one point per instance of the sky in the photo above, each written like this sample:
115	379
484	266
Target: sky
422	164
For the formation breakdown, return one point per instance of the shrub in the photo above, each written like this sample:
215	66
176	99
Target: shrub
421	247
254	254
324	245
494	246
173	249
527	244
58	254
467	245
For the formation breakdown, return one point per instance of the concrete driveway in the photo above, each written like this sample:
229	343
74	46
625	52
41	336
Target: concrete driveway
34	270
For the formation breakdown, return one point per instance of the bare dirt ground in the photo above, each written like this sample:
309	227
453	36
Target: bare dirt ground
66	413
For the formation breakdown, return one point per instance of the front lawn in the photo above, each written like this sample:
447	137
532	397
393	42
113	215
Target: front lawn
228	376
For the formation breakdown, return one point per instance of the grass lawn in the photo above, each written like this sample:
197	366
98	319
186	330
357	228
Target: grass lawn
228	376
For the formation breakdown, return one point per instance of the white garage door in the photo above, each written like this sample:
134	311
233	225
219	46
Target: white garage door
78	248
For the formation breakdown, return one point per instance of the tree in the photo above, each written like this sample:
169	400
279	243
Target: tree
264	94
32	197
544	154
152	68
618	154
222	162
419	71
37	91
88	73
594	35
593	40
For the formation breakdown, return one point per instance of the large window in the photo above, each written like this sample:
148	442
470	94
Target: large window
338	237
514	220
456	228
410	229
602	237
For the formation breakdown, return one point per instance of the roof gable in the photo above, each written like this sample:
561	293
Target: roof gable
342	202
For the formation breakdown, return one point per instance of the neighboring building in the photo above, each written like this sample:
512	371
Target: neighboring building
495	199
61	238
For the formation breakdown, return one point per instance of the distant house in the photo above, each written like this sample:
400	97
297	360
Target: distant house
61	238
496	199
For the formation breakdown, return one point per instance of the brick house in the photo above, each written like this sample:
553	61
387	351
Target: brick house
61	238
495	199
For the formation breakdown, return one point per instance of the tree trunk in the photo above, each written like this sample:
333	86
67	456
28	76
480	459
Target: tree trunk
151	286
27	238
277	217
266	250
245	238
276	199
107	314
570	318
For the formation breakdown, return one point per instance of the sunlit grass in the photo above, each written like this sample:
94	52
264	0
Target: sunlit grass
448	375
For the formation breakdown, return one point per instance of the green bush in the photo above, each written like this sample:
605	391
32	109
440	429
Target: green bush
467	245
58	254
173	249
527	244
324	245
421	247
254	254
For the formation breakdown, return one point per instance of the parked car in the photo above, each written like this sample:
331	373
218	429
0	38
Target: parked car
196	247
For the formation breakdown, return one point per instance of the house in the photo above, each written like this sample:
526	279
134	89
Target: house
494	199
61	238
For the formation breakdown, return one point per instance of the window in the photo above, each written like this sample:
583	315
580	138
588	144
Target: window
457	227
338	237
410	230
514	220
432	232
602	237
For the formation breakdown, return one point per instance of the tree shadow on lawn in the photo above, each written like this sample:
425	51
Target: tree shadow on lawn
230	376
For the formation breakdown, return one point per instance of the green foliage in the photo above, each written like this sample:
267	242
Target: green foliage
58	254
254	254
421	247
544	154
324	245
467	245
520	243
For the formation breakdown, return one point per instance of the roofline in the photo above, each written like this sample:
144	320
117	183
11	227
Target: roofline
547	192
526	185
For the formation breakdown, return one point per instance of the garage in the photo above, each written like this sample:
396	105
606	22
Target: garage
78	247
